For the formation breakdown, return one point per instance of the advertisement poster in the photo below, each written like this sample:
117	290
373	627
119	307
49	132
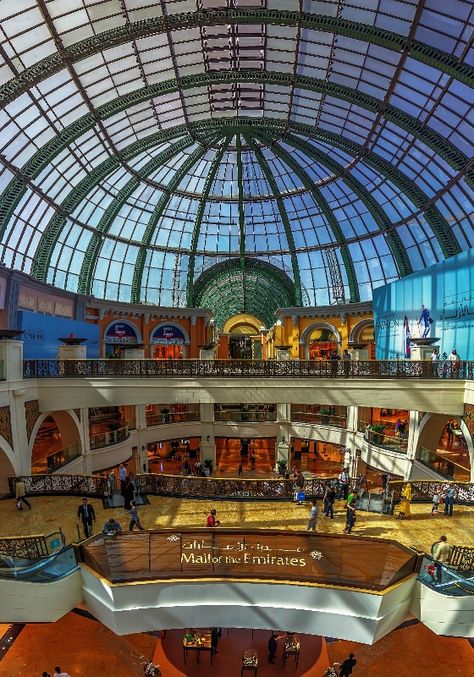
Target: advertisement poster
42	333
437	302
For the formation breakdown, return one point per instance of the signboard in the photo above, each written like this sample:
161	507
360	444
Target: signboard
220	552
121	332
168	334
434	302
42	332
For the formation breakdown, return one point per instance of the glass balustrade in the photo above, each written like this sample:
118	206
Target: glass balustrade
109	438
57	459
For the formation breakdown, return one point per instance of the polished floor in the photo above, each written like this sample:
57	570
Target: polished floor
48	513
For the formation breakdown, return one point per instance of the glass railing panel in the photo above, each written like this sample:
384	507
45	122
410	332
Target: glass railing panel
170	417
244	416
43	570
109	438
446	579
56	459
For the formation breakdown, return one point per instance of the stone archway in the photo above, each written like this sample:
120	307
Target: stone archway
69	428
358	329
7	466
430	430
306	334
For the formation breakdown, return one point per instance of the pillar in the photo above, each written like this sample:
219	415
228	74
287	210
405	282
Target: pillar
66	352
11	354
86	442
141	428
412	442
208	445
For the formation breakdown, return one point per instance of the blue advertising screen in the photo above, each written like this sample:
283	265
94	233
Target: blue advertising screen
435	302
41	334
167	334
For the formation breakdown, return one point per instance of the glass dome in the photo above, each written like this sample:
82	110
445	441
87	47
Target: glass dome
144	143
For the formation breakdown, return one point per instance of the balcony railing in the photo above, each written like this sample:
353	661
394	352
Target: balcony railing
239	416
454	579
74	485
56	459
424	490
171	417
396	369
318	418
391	442
109	438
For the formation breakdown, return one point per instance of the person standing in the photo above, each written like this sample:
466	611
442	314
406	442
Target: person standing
313	517
128	492
449	501
20	495
346	358
134	518
211	519
449	431
343	484
405	502
329	498
299	486
215	636
346	667
122	475
455	360
86	513
59	673
111	484
272	647
435	504
441	550
351	507
241	469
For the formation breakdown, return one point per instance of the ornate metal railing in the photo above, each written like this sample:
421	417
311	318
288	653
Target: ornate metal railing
462	558
396	369
76	485
424	490
216	487
31	547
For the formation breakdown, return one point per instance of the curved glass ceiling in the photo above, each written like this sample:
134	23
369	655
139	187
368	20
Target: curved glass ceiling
145	142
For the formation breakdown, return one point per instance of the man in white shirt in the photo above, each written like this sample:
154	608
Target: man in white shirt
59	673
313	516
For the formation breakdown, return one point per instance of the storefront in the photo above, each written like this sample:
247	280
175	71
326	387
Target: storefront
119	335
168	341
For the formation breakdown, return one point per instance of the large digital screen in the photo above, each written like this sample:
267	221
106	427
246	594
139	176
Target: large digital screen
42	333
437	302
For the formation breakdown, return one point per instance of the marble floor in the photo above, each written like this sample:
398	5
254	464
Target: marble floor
48	513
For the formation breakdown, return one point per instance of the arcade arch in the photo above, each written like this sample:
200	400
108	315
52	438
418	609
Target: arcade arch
451	455
55	440
319	340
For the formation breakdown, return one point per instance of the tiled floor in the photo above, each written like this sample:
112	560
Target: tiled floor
50	512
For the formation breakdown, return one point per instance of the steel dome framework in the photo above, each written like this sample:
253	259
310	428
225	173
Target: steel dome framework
144	143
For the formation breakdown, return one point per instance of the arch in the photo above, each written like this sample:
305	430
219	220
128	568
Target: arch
437	424
242	319
305	337
358	328
132	325
63	421
187	340
8	465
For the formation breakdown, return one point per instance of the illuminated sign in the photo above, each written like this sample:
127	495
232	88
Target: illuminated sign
168	334
121	332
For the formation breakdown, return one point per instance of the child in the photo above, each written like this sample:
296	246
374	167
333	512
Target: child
435	504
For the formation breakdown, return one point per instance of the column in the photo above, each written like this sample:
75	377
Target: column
86	442
412	442
283	436
142	439
208	445
351	453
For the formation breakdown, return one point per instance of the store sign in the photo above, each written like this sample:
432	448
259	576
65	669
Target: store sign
168	334
121	332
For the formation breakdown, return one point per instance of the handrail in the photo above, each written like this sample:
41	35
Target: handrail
31	570
171	417
109	438
319	419
239	416
68	453
34	546
424	490
451	578
74	485
371	369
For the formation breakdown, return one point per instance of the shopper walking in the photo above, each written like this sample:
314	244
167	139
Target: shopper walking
313	517
86	513
329	498
134	518
405	502
351	508
20	494
440	551
272	647
346	667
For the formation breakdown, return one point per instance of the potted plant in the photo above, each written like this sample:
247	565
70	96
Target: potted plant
325	414
376	433
282	467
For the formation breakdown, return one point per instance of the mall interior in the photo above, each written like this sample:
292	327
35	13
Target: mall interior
236	338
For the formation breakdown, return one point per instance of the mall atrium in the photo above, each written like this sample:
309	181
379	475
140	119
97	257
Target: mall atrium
237	275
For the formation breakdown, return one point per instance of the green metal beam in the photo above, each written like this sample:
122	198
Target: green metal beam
176	179
325	209
240	184
284	216
200	213
382	166
434	218
54	63
15	190
107	219
53	230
